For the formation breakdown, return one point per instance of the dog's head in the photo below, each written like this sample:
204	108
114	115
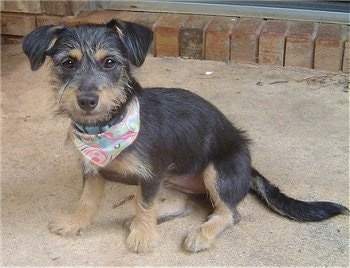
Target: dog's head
91	65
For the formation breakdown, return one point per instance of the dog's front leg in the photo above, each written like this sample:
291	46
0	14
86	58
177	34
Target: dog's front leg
87	207
143	228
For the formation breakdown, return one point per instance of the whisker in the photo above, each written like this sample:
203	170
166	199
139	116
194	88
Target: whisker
64	89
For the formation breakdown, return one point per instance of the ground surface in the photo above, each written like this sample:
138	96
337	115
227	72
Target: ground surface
299	124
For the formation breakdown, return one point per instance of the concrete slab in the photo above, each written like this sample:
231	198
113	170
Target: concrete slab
298	121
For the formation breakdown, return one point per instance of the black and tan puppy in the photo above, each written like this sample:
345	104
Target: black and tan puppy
155	137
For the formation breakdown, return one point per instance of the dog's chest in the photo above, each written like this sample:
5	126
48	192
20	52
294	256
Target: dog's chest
125	167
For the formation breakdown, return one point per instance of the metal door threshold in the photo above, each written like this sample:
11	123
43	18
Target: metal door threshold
318	11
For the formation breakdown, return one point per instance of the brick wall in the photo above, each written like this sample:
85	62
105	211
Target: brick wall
243	40
20	17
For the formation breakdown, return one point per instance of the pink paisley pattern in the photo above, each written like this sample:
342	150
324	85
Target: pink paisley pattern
101	148
96	155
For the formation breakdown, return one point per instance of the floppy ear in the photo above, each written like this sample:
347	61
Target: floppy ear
135	38
37	44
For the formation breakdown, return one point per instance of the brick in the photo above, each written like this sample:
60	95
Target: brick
60	8
300	44
76	7
8	39
244	40
168	34
21	6
101	17
272	42
47	20
20	25
217	38
328	47
96	16
149	20
192	37
128	15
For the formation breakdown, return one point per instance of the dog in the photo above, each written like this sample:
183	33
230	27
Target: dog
156	138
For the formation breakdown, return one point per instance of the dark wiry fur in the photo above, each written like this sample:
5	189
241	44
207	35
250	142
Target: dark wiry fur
184	142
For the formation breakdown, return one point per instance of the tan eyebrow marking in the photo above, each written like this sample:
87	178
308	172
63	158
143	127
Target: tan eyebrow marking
76	54
100	54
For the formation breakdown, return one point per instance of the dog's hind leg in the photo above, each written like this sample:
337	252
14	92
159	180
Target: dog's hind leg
87	208
225	213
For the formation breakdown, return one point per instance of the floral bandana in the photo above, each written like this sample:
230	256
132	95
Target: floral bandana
102	148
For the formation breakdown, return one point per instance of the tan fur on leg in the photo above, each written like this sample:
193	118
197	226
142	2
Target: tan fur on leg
222	218
143	228
87	208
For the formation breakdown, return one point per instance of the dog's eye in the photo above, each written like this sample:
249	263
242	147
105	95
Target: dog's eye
68	64
109	63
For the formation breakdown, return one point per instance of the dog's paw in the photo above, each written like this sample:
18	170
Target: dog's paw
197	241
140	241
68	225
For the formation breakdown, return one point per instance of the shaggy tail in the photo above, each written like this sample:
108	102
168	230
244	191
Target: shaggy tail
289	207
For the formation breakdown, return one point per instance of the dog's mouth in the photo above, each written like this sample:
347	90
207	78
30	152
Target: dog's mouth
92	118
89	118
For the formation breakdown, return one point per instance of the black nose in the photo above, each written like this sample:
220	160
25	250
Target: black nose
87	102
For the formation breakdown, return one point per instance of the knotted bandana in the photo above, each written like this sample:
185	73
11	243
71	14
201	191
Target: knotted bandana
102	148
